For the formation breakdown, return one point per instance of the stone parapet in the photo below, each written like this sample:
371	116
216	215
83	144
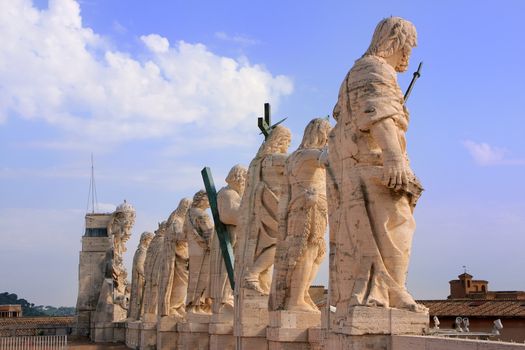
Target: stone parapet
403	342
253	314
167	335
193	336
148	336
133	334
362	320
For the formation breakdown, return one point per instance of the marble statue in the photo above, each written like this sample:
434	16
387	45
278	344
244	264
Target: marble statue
371	187
137	277
174	270
303	222
198	230
113	300
152	266
119	229
228	202
259	232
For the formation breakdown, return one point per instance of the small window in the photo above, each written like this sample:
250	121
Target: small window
468	284
483	289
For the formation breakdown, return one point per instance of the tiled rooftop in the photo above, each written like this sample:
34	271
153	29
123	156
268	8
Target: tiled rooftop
475	307
37	321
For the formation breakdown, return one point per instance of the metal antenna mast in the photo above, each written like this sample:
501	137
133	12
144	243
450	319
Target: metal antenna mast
92	194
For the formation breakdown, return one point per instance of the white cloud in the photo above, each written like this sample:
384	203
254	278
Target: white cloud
54	69
486	155
238	39
156	43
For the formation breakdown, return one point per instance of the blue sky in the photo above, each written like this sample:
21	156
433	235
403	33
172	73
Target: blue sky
156	90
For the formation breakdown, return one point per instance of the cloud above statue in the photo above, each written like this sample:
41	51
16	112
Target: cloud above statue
56	70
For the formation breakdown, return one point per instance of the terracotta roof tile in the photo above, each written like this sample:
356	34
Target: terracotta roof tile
475	307
37	321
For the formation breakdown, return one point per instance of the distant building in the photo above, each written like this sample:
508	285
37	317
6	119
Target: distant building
466	287
471	298
9	311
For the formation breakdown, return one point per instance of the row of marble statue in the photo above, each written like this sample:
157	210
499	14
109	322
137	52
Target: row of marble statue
356	176
276	215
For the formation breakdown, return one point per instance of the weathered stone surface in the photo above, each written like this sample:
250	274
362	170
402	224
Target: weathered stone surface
138	277
259	343
133	334
96	244
91	265
402	342
222	342
362	342
173	284
294	319
221	328
290	328
193	336
259	211
258	234
273	345
152	266
302	222
167	334
167	340
371	187
362	320
317	338
148	336
254	315
198	230
228	203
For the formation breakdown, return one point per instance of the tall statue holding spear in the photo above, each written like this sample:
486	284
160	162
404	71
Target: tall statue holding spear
372	188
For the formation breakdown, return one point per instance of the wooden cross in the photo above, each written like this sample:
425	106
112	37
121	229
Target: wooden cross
220	228
265	123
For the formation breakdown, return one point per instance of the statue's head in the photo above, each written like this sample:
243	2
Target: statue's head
182	208
394	38
278	141
316	133
237	177
125	214
200	200
145	239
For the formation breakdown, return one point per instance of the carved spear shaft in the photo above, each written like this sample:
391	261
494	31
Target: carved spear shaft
417	74
220	228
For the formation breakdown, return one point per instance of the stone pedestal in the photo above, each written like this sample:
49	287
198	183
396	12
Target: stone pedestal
252	321
148	336
133	334
289	329
167	335
193	334
358	342
102	332
221	332
362	320
370	328
317	338
119	332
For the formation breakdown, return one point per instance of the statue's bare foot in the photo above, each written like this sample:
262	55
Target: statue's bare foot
310	302
305	307
406	302
255	286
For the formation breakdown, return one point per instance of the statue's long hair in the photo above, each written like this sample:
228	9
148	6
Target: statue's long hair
316	133
391	35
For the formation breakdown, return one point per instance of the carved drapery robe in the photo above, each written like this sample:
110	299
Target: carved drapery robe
371	225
